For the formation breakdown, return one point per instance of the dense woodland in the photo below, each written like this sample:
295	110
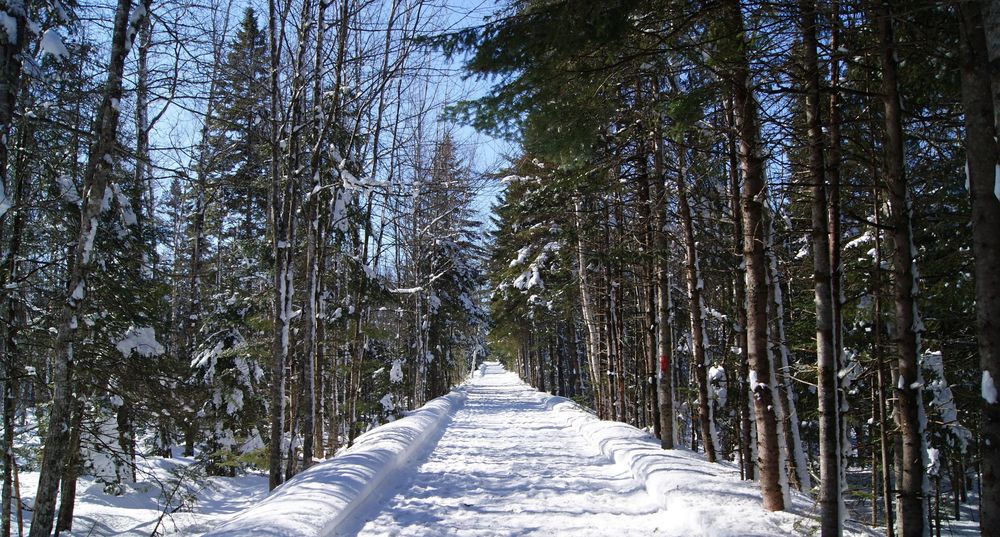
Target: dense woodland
766	231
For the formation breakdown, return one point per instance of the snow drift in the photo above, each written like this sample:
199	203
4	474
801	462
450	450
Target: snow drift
698	497
317	500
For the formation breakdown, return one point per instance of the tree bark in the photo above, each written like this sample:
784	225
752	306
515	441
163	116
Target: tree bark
826	358
751	163
740	297
696	310
984	178
664	386
67	492
10	81
587	310
648	298
912	512
95	182
277	216
10	325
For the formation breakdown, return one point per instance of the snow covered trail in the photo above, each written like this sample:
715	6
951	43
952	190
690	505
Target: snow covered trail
495	457
508	465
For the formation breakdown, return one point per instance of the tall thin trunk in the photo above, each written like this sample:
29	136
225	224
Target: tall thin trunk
67	490
664	386
912	511
826	357
984	180
10	81
748	130
10	325
9	461
587	309
739	296
314	206
884	374
99	164
647	297
798	470
696	310
276	216
833	161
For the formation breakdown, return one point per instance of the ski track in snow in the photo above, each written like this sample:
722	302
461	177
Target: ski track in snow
506	465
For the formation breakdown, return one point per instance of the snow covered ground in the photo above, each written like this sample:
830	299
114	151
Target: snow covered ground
162	499
494	457
514	461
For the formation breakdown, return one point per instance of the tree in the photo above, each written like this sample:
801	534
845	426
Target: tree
982	165
829	428
745	120
909	406
95	182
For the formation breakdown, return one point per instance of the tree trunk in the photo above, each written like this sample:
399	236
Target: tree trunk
748	130
281	251
791	439
95	181
67	492
739	296
10	80
984	178
883	374
587	309
912	512
696	311
646	205
826	358
10	325
664	386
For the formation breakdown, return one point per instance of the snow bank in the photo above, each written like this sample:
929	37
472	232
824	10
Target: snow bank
318	500
701	498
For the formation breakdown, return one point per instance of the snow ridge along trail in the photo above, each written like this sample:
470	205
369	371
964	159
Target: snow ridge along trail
507	465
495	457
516	461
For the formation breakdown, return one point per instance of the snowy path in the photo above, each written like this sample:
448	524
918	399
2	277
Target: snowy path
506	465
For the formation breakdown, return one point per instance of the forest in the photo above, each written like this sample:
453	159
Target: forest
249	232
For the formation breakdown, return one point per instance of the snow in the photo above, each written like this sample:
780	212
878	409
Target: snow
996	182
396	373
496	457
407	290
522	256
989	389
864	238
79	291
803	252
142	341
943	403
128	215
536	279
88	245
320	499
934	461
515	461
68	189
5	203
387	404
163	484
9	26
52	44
